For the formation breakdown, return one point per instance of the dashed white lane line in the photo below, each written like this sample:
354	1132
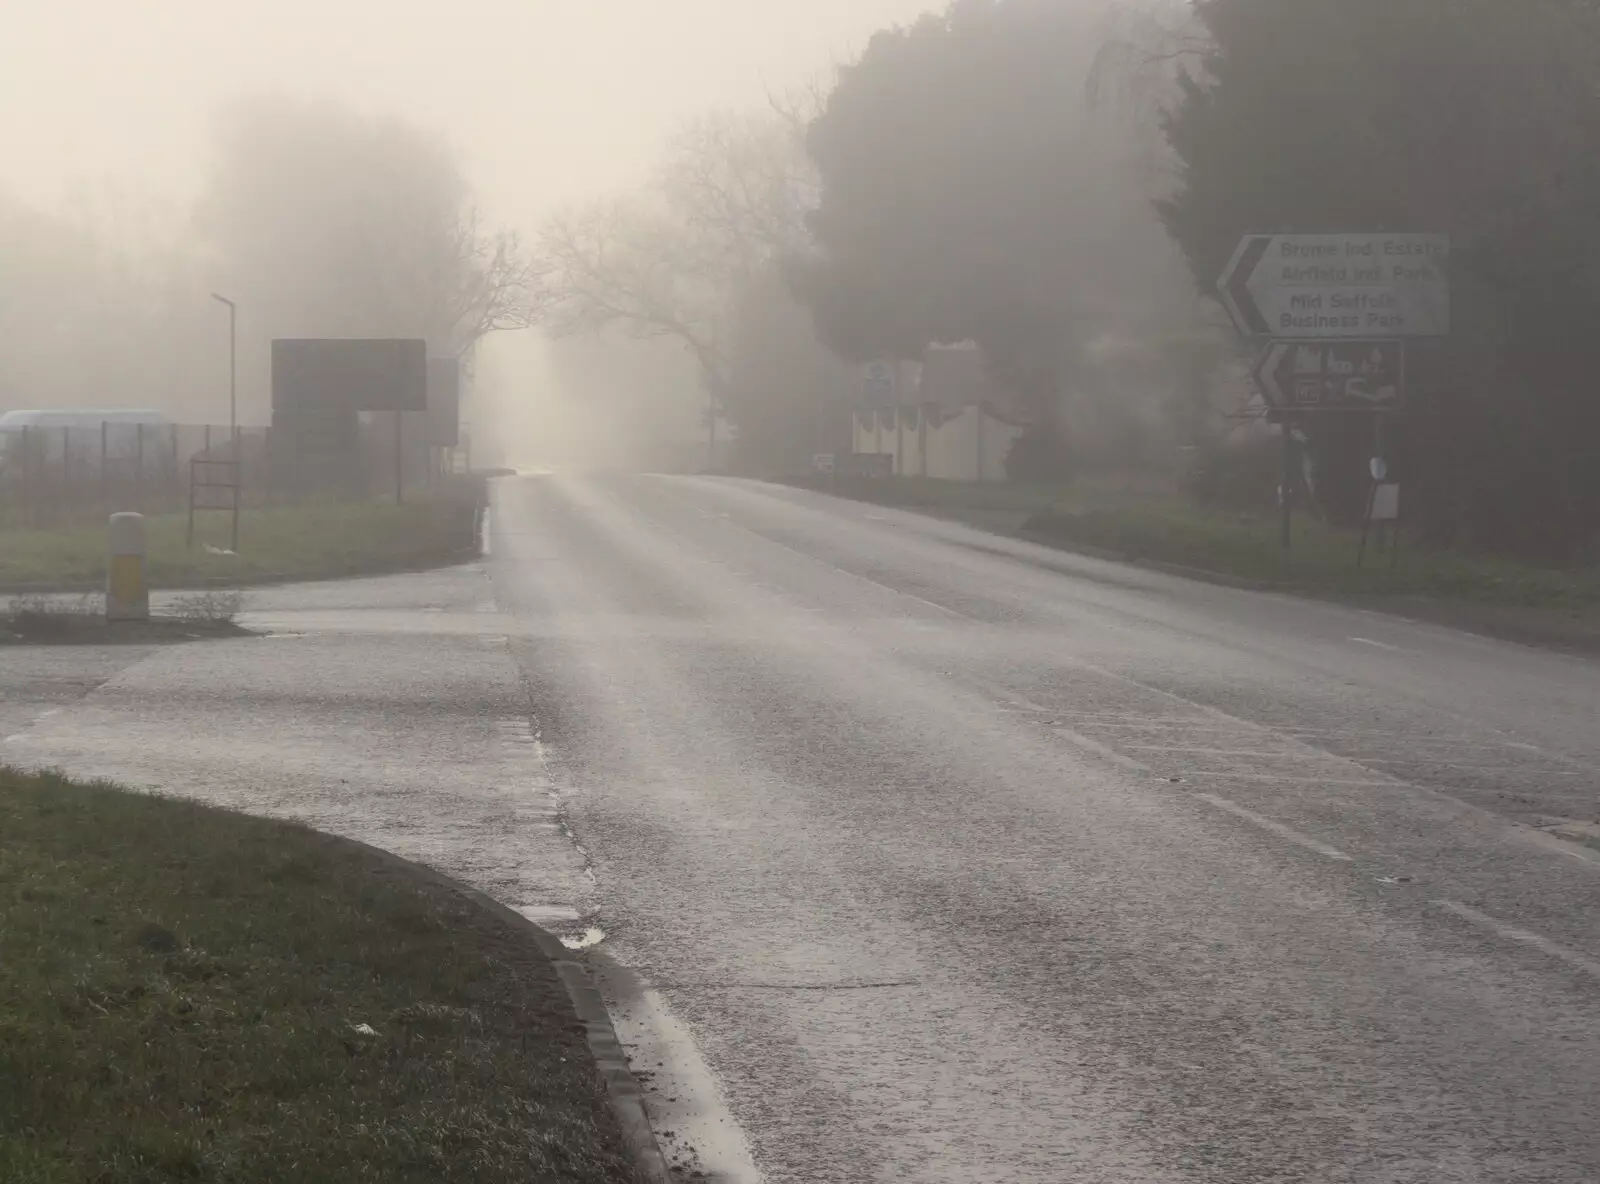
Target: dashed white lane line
1558	845
1382	645
1103	751
1525	937
1277	828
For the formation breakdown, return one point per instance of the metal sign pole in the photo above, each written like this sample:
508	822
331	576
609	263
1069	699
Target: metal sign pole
1286	491
1366	524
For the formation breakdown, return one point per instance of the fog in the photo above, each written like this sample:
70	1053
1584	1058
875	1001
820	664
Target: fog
544	102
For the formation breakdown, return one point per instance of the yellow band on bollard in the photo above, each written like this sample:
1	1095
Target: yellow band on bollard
127	578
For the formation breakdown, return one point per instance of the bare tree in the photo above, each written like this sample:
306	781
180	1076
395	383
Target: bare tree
726	206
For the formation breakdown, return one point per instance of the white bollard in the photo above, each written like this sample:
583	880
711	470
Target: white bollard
127	593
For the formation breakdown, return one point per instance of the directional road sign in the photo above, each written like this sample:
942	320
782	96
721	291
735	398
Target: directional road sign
1321	375
1339	285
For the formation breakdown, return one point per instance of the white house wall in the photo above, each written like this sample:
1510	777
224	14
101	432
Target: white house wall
964	447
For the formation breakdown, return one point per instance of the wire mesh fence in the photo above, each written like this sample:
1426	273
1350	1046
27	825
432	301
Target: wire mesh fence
55	477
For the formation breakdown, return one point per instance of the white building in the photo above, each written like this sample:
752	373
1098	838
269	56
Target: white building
946	419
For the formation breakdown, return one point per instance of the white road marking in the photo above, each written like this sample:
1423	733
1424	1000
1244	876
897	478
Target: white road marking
1104	751
1382	645
855	575
1526	937
1281	778
1557	844
1277	828
1297	756
1021	703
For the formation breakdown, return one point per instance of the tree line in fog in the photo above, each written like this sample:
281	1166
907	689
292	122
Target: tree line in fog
1056	181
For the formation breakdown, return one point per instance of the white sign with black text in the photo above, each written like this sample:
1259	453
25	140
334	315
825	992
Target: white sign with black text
1339	285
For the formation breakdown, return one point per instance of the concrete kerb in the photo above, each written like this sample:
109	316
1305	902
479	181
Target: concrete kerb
622	1088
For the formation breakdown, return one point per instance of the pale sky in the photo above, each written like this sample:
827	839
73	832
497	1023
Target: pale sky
546	100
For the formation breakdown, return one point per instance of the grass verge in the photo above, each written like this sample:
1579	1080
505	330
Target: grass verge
311	540
188	994
925	493
1174	530
1322	559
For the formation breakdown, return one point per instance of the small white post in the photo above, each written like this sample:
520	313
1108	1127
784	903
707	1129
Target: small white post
127	593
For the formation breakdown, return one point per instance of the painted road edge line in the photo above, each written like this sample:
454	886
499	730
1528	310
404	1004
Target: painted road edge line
1277	828
1524	936
622	1087
1382	645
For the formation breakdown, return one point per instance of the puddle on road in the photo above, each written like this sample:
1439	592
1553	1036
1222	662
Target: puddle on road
591	938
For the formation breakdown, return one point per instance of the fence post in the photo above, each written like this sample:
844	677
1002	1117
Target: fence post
238	488
105	470
66	471
138	469
27	472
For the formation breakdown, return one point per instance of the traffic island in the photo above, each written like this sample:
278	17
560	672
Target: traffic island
46	620
191	994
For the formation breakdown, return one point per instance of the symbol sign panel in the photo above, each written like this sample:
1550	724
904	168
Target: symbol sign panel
878	382
1320	375
1339	285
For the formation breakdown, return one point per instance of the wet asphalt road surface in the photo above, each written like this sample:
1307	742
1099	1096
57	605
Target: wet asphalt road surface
921	854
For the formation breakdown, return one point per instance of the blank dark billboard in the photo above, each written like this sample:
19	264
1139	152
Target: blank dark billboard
350	374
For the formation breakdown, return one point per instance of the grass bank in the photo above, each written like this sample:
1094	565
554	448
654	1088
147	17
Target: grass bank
310	540
1171	529
958	498
1322	559
189	994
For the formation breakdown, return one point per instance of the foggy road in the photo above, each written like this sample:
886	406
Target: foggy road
932	855
906	852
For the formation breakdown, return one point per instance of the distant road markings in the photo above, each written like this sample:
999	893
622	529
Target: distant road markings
1103	751
1277	828
1382	645
1513	933
1279	778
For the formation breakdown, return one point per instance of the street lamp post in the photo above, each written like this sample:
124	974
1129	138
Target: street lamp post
233	411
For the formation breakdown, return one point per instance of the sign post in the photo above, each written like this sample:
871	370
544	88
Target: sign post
1286	488
1335	310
